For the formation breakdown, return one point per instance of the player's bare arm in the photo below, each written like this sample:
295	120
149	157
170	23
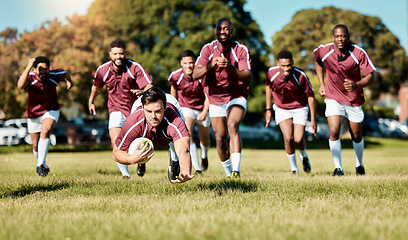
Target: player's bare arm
351	85
22	81
139	92
138	156
320	75
204	112
312	106
182	147
268	108
69	81
243	76
94	92
200	70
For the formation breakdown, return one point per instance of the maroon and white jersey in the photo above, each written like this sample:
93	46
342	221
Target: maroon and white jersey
42	95
120	82
220	86
169	130
190	93
289	92
338	69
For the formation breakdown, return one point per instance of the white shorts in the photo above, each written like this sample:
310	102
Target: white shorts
34	124
221	110
116	119
298	115
193	113
352	113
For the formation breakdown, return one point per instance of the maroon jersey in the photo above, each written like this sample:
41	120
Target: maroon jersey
220	86
169	130
42	95
338	69
190	93
289	92
120	82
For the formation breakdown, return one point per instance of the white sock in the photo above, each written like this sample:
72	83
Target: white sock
204	151
227	167
335	148
124	169
43	146
359	149
35	154
236	161
292	162
194	157
303	154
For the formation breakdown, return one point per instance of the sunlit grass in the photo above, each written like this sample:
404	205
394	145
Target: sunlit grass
84	197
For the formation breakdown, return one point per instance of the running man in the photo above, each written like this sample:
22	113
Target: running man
226	68
125	80
42	105
344	63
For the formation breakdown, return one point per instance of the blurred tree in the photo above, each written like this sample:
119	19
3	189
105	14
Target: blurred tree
309	28
159	31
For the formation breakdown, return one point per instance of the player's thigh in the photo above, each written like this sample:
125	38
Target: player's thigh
286	127
298	132
219	126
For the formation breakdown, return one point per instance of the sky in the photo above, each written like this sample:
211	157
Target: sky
271	15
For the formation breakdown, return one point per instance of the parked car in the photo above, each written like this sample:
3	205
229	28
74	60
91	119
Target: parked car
9	136
392	128
18	123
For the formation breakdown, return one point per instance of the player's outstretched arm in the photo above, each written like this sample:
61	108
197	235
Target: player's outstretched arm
138	156
182	147
22	81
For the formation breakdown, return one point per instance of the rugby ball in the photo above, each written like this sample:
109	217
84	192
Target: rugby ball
143	141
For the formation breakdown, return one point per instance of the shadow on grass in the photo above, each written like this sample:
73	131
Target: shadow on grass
318	144
28	189
229	185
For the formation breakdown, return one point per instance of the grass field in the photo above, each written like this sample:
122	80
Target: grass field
84	197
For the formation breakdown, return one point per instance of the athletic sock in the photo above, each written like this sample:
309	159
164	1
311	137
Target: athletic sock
43	146
227	167
302	154
359	149
124	169
236	161
35	154
335	148
194	157
292	162
204	151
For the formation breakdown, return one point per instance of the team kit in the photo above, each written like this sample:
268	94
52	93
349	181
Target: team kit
208	90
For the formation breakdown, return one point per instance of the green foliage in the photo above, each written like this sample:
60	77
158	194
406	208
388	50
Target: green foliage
311	27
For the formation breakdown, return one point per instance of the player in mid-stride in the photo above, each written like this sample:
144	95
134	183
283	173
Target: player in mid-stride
194	105
125	80
42	105
225	66
162	123
292	92
344	63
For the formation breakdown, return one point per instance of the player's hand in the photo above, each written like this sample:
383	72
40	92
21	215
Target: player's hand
143	155
222	61
137	92
314	127
92	109
69	85
183	177
201	116
349	85
268	115
30	62
322	90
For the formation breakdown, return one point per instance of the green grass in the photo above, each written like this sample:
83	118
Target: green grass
84	197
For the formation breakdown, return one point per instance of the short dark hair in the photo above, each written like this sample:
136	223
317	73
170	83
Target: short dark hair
187	53
153	94
341	26
224	20
285	54
118	44
41	59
